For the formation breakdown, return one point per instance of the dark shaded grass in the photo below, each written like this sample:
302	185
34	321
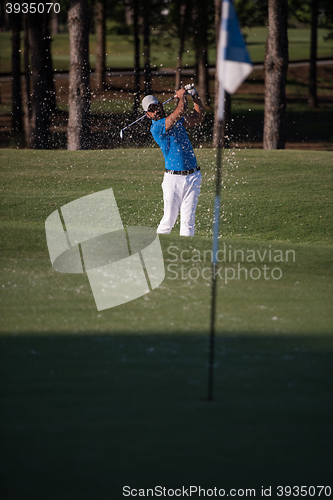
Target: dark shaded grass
83	416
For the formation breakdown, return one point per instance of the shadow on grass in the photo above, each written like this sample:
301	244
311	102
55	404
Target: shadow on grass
85	415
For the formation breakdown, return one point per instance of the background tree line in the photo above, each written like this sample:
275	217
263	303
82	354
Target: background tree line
189	21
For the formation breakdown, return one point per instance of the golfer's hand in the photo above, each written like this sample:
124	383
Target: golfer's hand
181	93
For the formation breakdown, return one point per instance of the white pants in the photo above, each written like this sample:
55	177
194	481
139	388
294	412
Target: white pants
180	192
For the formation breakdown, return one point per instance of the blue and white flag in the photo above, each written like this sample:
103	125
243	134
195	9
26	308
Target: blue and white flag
233	61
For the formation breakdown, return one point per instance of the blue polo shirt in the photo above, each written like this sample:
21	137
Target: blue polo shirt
175	145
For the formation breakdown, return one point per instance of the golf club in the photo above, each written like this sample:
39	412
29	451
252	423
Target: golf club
143	116
122	130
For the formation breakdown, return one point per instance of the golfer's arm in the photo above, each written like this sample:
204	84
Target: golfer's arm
178	113
198	114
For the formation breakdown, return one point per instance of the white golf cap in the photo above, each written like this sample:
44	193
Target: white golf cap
148	100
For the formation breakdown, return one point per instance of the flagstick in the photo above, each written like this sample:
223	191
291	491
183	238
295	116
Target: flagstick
216	224
231	72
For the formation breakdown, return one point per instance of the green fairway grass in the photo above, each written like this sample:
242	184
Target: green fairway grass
92	400
120	51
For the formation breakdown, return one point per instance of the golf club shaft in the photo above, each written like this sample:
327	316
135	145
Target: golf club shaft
143	117
169	99
133	123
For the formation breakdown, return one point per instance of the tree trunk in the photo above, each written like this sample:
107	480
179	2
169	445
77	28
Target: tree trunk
16	73
184	16
40	125
54	23
216	80
224	139
100	44
202	76
146	49
50	88
78	131
27	88
136	56
4	17
179	65
201	43
313	101
276	65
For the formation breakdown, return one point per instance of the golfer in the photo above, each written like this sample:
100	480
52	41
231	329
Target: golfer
182	177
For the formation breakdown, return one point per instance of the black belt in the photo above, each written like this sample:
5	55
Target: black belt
182	172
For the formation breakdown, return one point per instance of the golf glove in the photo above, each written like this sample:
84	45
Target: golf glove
192	92
190	89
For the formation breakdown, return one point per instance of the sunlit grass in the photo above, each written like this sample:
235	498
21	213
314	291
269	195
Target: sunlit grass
278	200
120	54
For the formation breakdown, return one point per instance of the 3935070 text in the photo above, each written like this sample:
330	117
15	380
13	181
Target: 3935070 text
32	8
